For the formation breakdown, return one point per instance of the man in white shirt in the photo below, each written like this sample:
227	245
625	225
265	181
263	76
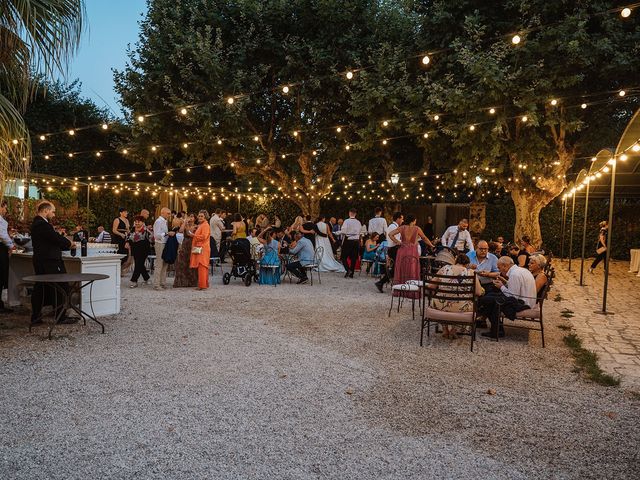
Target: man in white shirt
458	237
398	219
517	292
217	226
378	224
103	235
350	243
6	247
160	234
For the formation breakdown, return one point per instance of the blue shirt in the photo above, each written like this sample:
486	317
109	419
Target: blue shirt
304	250
490	264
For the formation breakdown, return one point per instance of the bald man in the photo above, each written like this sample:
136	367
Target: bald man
160	234
144	213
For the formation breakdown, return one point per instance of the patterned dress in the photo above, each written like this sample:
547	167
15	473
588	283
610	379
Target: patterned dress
455	272
185	275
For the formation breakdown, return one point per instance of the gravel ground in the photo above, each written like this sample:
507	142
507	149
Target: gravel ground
300	382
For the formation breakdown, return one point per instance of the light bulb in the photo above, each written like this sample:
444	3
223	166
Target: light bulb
492	111
185	145
384	142
348	147
583	106
349	75
385	124
256	138
72	132
636	147
125	151
98	154
154	148
15	141
472	128
436	117
426	60
295	133
426	135
554	102
219	142
140	118
285	89
46	157
524	118
338	129
230	100
624	157
625	12
516	39
183	111
622	93
105	126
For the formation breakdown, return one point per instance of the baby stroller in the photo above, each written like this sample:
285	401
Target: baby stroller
244	266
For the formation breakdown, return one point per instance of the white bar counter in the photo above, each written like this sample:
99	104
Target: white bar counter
105	295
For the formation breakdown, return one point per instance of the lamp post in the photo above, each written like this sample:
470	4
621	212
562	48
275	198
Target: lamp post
573	212
564	222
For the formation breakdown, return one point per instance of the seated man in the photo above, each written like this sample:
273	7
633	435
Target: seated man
303	248
517	292
485	264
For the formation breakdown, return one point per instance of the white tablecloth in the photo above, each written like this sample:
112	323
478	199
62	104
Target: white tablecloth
635	261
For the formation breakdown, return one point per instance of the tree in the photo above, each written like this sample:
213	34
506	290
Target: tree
35	37
567	51
282	63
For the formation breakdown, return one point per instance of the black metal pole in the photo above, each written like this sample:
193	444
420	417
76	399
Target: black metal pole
584	231
607	257
564	221
573	212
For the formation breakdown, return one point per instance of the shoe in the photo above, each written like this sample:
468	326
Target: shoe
133	285
346	275
492	334
379	287
302	281
351	275
68	320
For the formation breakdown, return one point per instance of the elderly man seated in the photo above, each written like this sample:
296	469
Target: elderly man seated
485	264
517	292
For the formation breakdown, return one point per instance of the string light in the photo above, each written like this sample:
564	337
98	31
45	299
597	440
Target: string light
349	75
285	89
43	138
140	118
14	141
230	100
583	106
105	126
72	132
516	39
472	127
385	123
339	129
492	111
554	102
622	93
426	60
625	12
436	117
183	111
524	119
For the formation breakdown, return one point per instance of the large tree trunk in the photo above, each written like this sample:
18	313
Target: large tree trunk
308	205
528	206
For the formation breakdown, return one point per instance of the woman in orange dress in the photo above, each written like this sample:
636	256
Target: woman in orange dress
201	251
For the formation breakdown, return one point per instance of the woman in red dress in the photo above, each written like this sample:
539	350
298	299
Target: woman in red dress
407	263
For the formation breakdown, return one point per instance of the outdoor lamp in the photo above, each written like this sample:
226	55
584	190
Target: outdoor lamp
395	178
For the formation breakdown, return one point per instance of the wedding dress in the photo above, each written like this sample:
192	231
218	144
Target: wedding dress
328	262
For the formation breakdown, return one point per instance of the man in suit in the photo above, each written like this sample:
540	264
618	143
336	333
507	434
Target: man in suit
47	259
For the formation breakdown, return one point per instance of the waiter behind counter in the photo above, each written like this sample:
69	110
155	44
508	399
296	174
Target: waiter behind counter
47	259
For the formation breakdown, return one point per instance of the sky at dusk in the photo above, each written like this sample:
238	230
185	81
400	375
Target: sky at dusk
112	25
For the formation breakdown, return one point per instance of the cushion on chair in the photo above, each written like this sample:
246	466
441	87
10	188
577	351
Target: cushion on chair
435	315
529	312
419	283
405	287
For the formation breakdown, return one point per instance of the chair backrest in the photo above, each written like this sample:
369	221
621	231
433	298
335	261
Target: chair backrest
317	256
455	288
543	293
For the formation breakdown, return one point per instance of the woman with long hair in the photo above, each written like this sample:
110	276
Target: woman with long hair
239	227
185	276
201	251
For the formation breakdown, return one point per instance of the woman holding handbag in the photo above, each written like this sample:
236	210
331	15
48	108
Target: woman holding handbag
201	251
601	247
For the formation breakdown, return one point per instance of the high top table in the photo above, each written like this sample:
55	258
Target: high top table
76	282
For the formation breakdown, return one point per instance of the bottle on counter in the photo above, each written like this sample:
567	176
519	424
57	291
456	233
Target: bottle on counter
83	247
73	249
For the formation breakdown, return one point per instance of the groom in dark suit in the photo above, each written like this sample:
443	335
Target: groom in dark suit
47	258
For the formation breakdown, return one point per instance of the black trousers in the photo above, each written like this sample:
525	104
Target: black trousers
600	257
224	247
140	254
4	270
45	295
350	250
489	307
214	247
296	269
388	272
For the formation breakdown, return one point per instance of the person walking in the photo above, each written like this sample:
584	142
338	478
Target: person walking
601	246
6	247
160	235
351	229
201	250
458	237
140	246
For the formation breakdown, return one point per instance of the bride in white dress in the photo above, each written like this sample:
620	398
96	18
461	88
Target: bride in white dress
328	262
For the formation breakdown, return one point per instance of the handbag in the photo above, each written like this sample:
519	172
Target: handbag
601	250
196	250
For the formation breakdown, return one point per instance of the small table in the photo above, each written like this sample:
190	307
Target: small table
634	264
75	281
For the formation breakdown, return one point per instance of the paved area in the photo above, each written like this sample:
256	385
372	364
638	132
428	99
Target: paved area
300	382
615	338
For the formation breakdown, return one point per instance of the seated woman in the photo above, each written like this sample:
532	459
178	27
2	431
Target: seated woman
271	258
519	257
526	245
239	227
536	267
370	247
459	269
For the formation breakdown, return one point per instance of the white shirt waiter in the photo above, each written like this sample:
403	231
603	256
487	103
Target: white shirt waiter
378	225
351	229
458	237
